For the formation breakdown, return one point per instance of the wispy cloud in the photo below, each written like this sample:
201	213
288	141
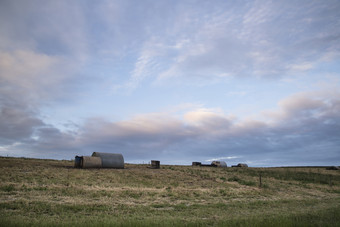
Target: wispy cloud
223	158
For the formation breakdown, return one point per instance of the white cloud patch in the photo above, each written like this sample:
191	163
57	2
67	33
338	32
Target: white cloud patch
304	66
223	158
30	76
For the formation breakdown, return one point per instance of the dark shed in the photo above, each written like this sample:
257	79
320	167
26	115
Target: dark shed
196	163
77	161
155	164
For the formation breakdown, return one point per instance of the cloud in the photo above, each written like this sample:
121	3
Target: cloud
23	75
207	121
17	124
263	42
43	48
223	158
54	28
304	66
188	41
27	81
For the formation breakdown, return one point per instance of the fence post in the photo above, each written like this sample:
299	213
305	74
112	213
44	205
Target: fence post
330	180
260	185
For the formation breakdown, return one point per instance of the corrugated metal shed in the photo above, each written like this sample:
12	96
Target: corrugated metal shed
219	163
110	160
91	162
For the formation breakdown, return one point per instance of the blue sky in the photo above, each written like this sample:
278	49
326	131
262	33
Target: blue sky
178	81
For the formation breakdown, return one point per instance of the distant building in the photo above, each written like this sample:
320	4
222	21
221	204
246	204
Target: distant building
240	165
219	164
196	163
155	164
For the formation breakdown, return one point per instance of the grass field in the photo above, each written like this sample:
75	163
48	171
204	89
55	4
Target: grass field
53	193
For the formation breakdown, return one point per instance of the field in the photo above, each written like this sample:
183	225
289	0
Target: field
53	193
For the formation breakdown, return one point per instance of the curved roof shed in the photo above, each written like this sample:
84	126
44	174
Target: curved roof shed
219	163
110	160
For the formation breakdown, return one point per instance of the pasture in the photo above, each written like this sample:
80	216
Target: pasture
53	193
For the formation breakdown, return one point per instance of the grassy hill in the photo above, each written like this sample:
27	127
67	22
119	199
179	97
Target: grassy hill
53	193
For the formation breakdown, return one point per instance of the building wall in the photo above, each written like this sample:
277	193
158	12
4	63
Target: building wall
110	160
90	162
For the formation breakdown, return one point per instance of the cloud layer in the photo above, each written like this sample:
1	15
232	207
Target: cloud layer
301	131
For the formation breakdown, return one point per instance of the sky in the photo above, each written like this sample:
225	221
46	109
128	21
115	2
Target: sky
254	82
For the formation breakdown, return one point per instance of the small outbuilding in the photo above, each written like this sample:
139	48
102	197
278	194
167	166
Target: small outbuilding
155	164
219	164
241	165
